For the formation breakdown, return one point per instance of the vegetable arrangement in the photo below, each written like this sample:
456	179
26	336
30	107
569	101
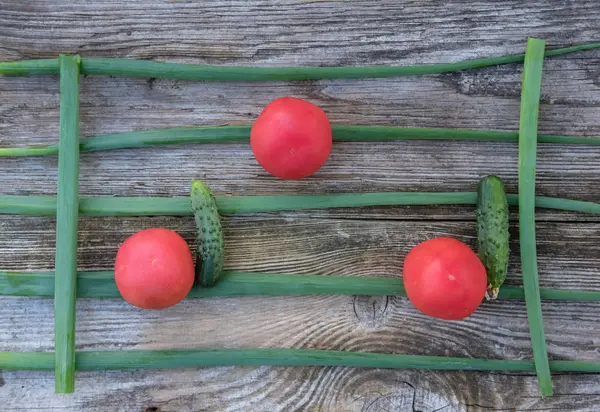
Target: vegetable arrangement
291	139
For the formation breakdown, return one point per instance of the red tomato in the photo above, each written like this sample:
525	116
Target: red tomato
444	278
154	269
291	138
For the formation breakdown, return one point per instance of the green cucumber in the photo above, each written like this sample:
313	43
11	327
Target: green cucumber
210	252
492	232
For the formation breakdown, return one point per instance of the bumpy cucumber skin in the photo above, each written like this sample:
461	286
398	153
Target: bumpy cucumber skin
492	232
210	252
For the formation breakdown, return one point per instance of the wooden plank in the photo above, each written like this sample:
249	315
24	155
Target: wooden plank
309	389
319	246
568	252
353	167
369	242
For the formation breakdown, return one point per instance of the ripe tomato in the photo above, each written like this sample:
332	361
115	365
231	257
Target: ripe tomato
291	138
154	269
444	278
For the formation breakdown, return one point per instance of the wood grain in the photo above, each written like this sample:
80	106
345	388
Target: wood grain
308	389
365	242
353	167
341	247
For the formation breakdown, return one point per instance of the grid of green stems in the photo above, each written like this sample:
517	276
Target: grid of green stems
66	283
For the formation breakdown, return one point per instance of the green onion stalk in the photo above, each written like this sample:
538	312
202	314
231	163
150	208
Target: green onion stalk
101	285
67	215
169	359
199	72
230	205
530	100
230	134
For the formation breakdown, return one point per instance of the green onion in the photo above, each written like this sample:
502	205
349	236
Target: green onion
530	100
28	151
225	134
67	208
102	285
387	133
169	359
181	71
230	205
27	67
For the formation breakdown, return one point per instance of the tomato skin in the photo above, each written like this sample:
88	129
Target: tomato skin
291	138
444	278
154	269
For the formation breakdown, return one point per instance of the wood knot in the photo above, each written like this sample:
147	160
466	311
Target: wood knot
370	311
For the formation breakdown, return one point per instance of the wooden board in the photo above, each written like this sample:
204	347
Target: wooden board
364	242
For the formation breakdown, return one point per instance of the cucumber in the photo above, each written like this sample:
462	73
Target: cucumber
492	232
210	252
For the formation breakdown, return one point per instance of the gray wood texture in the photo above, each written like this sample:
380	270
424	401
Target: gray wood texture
366	242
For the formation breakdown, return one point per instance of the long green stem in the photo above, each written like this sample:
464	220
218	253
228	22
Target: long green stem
67	213
168	359
229	205
530	98
227	134
29	151
182	71
27	67
386	133
102	285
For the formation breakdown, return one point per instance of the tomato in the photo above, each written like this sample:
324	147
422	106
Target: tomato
154	269
444	278
291	138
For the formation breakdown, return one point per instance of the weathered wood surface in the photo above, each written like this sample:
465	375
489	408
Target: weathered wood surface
366	242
